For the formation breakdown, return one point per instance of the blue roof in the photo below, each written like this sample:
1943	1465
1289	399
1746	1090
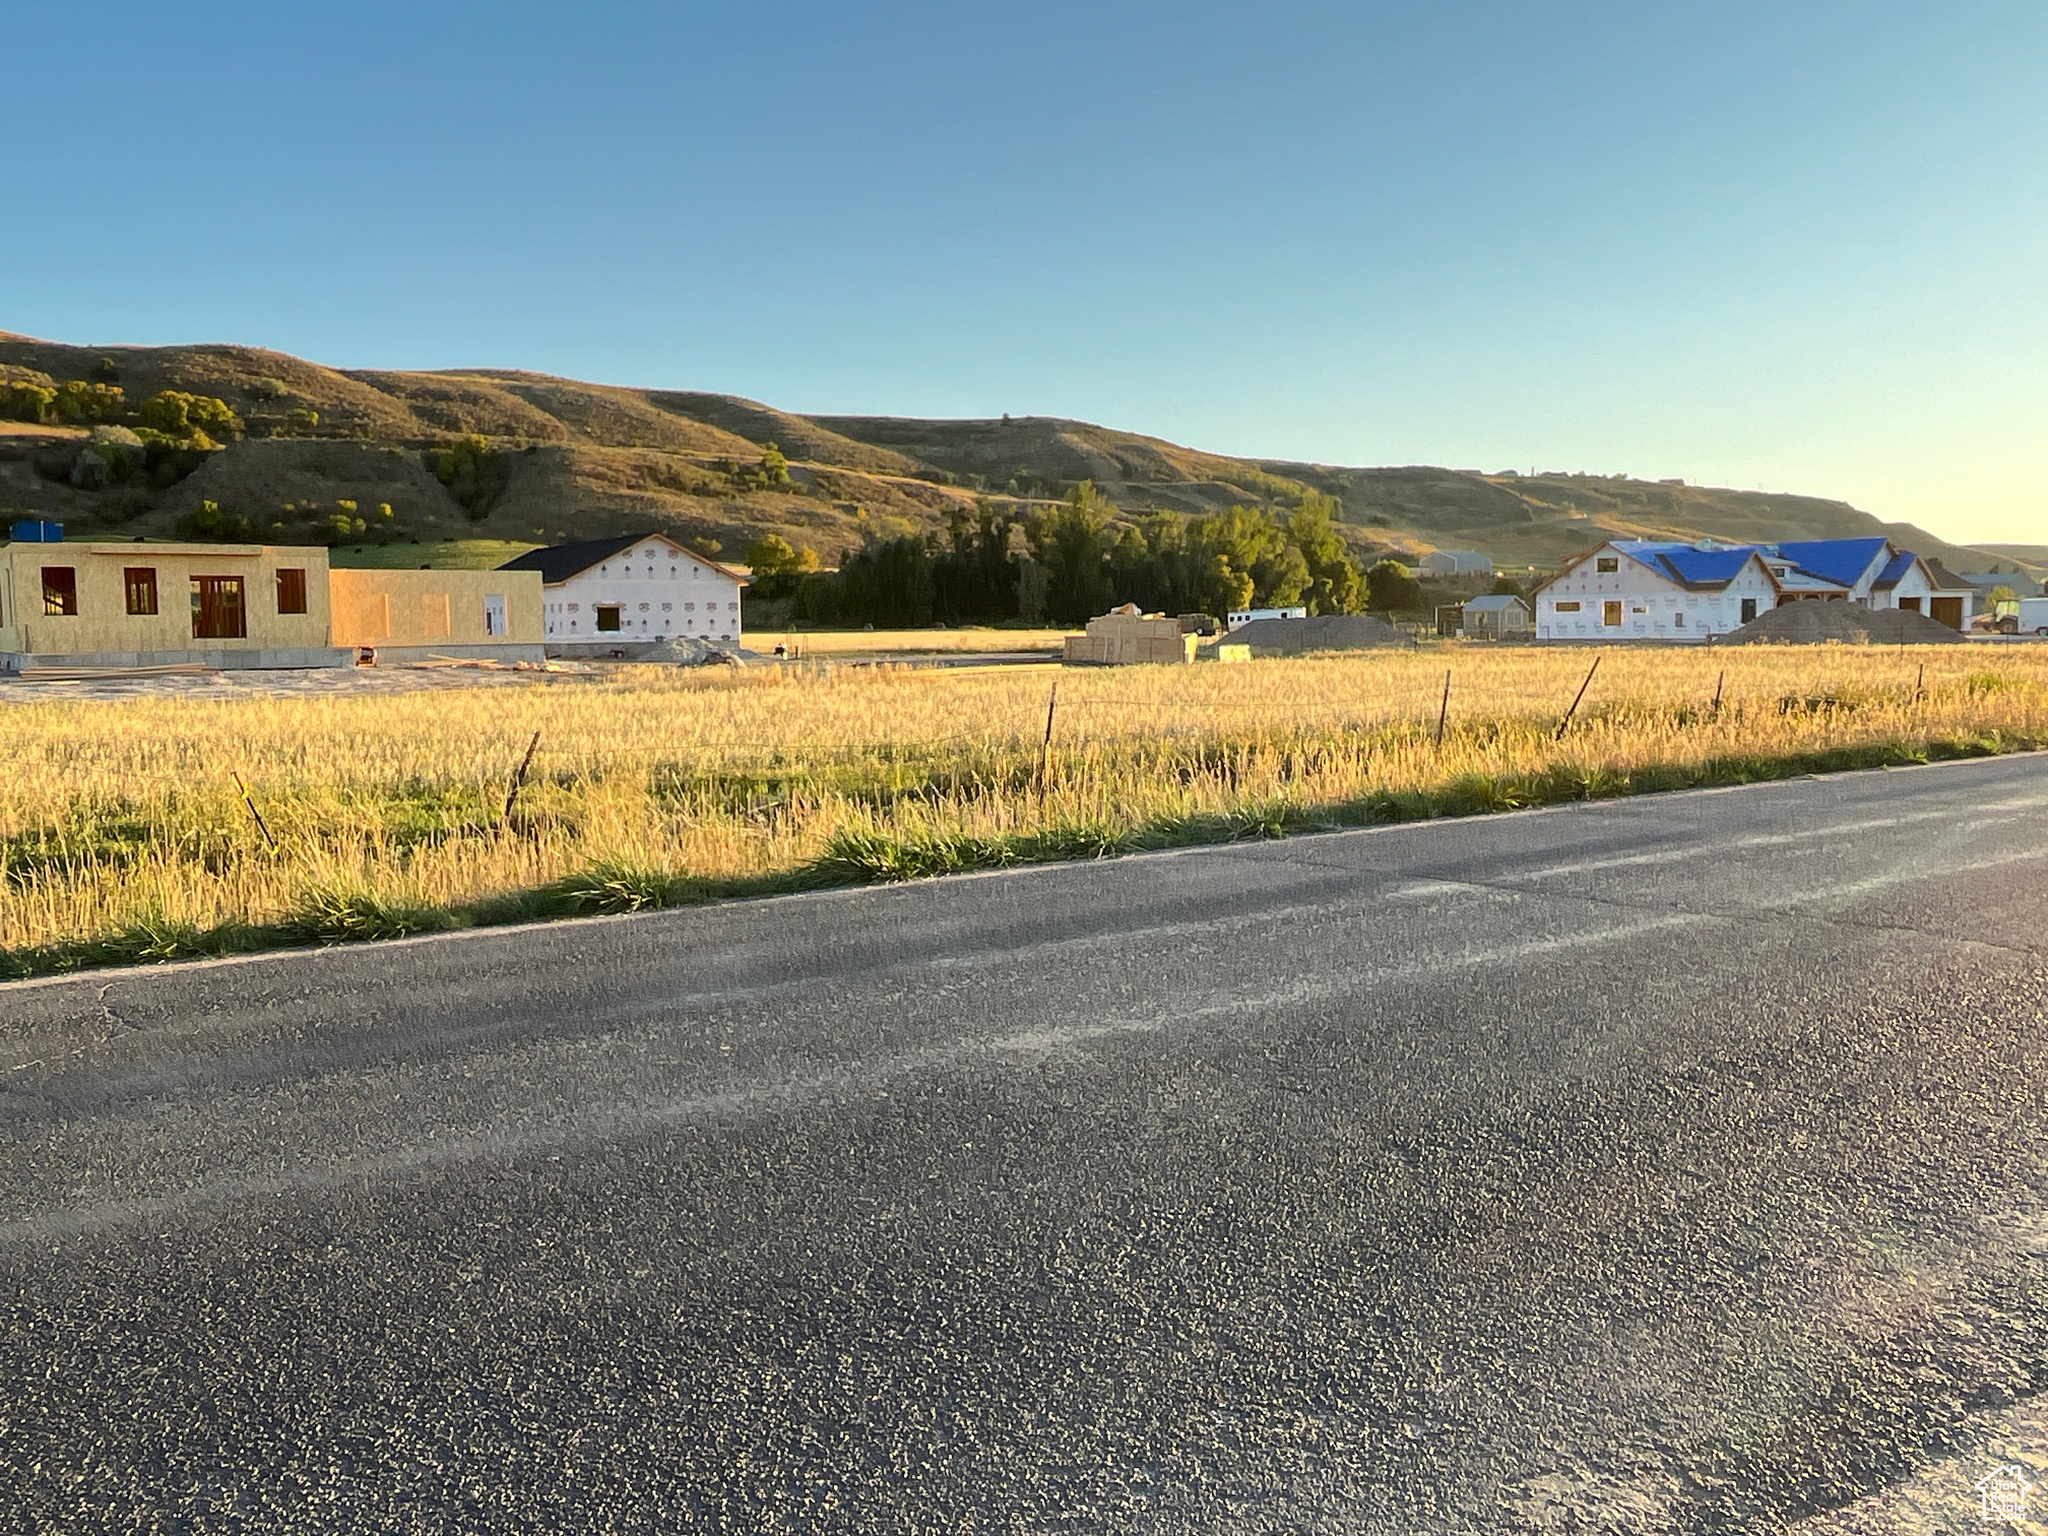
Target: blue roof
1686	564
1842	561
1696	567
1896	569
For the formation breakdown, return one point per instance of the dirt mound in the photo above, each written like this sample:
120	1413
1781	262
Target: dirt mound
1820	623
1329	632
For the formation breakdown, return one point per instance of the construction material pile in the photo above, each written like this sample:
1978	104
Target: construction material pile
684	651
1813	622
1327	632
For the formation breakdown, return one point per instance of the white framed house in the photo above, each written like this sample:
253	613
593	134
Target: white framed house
601	595
1633	590
1640	589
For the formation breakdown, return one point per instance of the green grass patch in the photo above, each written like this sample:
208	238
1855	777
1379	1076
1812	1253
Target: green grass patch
441	554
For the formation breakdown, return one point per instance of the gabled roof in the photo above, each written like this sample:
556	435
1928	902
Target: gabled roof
1495	600
1841	561
1690	566
1945	579
558	562
1894	571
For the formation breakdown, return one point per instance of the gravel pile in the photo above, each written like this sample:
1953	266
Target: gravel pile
1329	632
1817	622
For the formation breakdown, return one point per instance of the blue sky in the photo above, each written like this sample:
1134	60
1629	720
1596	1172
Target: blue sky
1792	246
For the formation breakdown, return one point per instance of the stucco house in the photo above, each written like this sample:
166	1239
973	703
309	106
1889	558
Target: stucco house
603	594
1639	589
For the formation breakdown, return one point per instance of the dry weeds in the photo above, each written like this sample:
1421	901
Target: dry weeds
123	834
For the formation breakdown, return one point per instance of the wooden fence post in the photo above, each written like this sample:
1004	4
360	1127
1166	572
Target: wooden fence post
1567	720
518	779
250	801
1045	750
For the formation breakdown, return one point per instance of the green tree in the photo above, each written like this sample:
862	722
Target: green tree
1391	589
1069	545
888	584
775	468
1245	560
1505	586
976	577
778	566
473	473
1335	584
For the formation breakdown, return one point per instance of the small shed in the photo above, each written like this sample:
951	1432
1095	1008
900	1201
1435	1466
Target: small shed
1496	615
1128	637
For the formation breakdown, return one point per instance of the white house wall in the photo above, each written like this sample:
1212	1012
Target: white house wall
660	591
1653	607
1913	584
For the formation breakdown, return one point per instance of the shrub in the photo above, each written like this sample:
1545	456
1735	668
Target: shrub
210	522
89	470
27	402
302	418
473	473
77	400
177	414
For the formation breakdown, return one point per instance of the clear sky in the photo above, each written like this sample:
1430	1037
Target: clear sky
1792	245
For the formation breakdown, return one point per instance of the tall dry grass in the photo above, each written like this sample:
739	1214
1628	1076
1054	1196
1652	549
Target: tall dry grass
123	833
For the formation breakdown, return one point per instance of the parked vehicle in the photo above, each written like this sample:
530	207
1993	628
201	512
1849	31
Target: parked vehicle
2031	619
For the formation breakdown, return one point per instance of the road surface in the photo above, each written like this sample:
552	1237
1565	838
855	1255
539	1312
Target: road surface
1664	1164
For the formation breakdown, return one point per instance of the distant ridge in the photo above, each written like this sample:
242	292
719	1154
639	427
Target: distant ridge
568	459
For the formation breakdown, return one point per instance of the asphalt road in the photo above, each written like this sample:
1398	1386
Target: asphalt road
1661	1164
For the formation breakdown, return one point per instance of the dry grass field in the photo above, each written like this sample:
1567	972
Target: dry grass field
124	835
825	644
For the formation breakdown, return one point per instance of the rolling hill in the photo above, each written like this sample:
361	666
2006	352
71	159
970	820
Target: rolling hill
566	459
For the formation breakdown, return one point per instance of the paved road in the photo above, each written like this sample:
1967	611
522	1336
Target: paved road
1670	1164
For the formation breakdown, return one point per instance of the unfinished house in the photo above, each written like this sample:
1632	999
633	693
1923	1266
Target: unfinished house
104	603
1128	637
399	616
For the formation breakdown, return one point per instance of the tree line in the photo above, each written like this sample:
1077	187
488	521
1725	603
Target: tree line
1078	561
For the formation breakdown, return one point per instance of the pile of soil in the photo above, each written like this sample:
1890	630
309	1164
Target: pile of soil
1814	622
1328	632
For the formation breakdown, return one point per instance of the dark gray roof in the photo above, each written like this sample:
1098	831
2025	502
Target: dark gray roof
1945	580
558	562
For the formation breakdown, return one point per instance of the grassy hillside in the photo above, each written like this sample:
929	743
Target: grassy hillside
565	459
